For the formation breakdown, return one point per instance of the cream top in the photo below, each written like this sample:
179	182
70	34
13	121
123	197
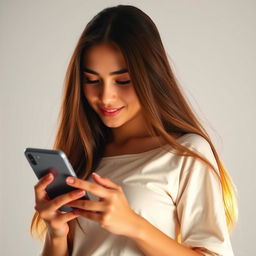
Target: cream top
171	192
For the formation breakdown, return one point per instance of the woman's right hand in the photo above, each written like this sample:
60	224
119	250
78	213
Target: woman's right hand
56	220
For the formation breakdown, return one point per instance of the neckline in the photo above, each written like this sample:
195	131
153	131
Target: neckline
134	155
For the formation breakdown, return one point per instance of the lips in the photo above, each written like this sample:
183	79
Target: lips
110	111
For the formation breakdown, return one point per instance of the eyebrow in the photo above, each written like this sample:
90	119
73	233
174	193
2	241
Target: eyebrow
121	71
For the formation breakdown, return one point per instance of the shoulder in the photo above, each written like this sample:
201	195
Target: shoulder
196	142
194	139
199	145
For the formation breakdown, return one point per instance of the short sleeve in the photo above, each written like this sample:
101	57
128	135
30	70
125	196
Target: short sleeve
200	208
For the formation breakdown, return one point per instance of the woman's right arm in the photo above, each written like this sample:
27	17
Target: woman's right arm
56	239
55	246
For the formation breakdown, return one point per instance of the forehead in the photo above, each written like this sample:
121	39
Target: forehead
104	54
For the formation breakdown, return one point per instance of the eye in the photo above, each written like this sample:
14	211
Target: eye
97	81
91	81
124	82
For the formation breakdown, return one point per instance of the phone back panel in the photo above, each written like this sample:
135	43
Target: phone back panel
43	161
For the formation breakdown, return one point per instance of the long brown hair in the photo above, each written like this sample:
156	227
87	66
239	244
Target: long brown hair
82	135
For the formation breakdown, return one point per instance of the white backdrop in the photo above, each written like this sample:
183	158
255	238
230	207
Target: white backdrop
211	46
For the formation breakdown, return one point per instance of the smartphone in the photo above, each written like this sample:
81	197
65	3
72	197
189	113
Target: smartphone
43	161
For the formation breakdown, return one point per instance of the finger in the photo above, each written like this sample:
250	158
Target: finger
106	182
61	200
39	188
88	205
93	188
63	218
95	216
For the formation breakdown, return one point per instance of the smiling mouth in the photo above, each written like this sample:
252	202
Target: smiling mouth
110	111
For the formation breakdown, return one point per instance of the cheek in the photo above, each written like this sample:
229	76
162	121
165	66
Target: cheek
89	93
130	96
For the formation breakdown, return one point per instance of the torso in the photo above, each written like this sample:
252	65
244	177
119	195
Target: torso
135	146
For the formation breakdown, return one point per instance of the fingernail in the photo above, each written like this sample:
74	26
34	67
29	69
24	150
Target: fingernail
96	174
49	176
70	180
80	192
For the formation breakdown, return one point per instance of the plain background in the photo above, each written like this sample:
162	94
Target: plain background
211	47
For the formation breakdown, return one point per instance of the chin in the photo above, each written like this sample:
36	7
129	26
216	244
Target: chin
113	125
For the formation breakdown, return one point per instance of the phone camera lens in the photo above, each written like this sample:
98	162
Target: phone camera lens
32	160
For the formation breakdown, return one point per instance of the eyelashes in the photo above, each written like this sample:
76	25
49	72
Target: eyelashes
87	81
91	81
124	82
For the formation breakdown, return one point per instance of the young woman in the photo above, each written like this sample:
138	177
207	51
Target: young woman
155	181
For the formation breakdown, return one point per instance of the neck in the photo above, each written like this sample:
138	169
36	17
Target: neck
134	129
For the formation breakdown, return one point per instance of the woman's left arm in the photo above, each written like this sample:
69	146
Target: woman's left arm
154	242
113	213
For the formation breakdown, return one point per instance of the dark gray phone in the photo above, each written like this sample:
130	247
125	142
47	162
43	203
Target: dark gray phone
43	161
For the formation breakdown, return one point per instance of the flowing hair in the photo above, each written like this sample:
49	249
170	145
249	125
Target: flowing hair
83	136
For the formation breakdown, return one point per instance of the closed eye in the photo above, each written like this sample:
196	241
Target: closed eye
97	81
124	82
91	81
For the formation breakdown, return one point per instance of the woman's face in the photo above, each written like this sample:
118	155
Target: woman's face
107	86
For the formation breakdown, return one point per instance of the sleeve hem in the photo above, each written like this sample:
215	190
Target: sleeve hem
214	249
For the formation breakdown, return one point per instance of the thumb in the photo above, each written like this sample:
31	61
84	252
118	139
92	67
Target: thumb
105	182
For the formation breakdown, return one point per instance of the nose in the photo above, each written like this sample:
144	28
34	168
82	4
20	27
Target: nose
108	93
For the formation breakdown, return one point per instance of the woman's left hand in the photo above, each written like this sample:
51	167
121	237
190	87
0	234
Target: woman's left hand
112	211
